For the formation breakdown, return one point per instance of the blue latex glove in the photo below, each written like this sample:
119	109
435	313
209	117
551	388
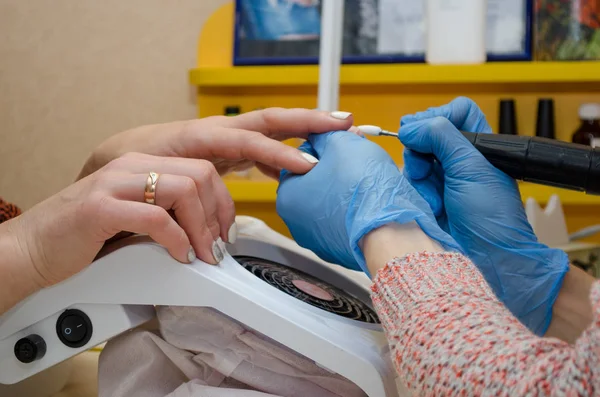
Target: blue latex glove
355	188
481	208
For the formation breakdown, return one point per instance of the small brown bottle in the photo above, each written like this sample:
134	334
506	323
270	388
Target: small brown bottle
588	132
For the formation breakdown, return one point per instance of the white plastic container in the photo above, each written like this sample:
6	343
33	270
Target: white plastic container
456	31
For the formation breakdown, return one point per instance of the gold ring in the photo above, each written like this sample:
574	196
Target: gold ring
150	191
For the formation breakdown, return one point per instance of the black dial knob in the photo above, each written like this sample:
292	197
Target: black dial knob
30	348
74	328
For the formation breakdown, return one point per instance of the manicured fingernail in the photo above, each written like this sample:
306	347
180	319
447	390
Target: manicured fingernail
222	246
218	250
310	158
355	130
340	115
232	233
191	255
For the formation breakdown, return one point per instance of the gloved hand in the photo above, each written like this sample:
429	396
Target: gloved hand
355	188
481	208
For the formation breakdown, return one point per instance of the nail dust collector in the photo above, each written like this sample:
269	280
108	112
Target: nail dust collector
268	283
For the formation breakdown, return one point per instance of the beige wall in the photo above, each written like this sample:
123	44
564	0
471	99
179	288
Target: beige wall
73	72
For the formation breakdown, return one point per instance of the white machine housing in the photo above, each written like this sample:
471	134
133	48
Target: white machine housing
119	290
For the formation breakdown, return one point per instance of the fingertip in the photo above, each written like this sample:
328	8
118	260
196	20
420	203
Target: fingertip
464	101
305	159
340	115
419	116
329	121
296	166
207	254
426	114
410	131
183	253
355	130
309	158
301	166
218	251
232	233
466	115
191	256
178	242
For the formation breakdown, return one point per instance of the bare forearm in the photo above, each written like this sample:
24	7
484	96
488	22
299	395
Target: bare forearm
395	240
436	305
17	278
572	311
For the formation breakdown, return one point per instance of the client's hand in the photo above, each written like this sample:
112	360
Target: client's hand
481	208
355	188
62	235
231	143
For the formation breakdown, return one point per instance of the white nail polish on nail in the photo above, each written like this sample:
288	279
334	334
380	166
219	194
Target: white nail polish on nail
217	251
191	255
311	159
340	115
222	246
232	233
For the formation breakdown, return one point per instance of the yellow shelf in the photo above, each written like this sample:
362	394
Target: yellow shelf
266	192
541	194
494	72
252	191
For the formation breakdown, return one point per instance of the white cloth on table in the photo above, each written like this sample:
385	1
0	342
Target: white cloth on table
200	352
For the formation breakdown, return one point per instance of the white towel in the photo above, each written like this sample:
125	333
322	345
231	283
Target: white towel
199	352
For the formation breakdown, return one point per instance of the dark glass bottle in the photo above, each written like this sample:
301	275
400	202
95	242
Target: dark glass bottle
545	119
508	117
588	132
232	110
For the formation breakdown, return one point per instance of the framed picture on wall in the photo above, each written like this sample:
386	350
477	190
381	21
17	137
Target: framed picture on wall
284	32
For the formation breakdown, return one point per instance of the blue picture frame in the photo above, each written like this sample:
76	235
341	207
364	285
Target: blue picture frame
239	60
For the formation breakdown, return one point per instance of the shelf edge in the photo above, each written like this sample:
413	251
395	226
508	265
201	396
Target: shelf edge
266	192
489	73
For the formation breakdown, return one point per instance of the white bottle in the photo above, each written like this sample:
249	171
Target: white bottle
456	31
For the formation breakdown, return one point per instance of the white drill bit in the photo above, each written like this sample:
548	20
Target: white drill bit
374	130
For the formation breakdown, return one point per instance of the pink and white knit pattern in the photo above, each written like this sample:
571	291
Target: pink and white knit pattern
449	335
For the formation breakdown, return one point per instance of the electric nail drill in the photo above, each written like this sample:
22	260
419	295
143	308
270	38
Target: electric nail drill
533	159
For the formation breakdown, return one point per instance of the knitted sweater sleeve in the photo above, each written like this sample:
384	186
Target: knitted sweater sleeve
8	211
449	335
